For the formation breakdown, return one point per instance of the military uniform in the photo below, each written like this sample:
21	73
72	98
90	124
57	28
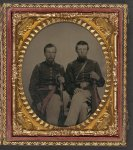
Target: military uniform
44	78
85	101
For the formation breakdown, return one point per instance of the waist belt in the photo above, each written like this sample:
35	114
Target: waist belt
47	87
84	85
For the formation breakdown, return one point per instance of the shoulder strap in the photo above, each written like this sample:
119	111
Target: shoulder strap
81	69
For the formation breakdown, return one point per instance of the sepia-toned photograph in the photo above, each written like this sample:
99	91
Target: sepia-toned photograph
64	74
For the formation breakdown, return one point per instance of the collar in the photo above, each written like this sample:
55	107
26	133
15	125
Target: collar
81	60
49	63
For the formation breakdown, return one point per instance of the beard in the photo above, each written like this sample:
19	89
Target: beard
50	60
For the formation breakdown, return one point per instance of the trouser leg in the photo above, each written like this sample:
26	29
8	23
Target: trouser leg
53	110
84	112
75	108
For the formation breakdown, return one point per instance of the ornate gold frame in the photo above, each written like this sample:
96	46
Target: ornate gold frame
104	27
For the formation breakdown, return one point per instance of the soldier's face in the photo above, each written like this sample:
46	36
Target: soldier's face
50	54
82	51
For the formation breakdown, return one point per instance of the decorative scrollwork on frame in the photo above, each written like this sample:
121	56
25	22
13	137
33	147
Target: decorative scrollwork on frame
101	31
22	112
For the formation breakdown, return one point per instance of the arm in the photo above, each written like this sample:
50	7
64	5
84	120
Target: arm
100	82
34	85
62	71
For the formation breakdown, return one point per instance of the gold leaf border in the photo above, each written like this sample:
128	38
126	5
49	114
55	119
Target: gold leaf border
109	61
119	143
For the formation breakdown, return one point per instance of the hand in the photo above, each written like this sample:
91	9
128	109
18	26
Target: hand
94	75
39	105
77	90
84	84
61	79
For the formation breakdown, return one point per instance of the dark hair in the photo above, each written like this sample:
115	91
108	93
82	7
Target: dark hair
49	46
82	43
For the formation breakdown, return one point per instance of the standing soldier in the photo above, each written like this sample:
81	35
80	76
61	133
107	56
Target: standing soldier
44	87
83	76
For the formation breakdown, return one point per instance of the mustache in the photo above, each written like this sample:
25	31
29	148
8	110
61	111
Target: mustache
50	58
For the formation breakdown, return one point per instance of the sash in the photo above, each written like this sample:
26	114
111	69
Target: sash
97	98
81	69
46	100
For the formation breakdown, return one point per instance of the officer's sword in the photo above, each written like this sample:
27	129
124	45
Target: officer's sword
62	105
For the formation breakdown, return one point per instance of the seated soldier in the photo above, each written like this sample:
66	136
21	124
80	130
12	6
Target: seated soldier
83	76
46	87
